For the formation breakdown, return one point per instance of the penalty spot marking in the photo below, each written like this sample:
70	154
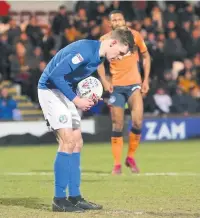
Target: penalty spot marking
99	174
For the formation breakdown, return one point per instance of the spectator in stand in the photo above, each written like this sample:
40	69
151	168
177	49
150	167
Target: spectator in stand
157	17
18	60
138	26
187	14
197	7
187	82
183	103
169	83
158	65
70	35
115	5
13	32
151	42
171	26
60	21
173	49
196	61
170	14
149	104
7	105
172	35
33	62
188	66
195	94
24	39
48	44
185	35
162	101
34	32
179	5
34	78
101	12
81	22
95	33
83	4
161	37
5	52
147	25
139	9
143	33
105	26
20	70
194	47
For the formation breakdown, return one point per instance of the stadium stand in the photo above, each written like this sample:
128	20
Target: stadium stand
30	38
28	110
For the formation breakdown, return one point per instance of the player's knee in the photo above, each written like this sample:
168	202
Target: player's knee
117	125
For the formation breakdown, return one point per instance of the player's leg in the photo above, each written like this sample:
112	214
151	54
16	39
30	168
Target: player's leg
75	171
135	102
117	102
60	120
75	176
62	167
117	116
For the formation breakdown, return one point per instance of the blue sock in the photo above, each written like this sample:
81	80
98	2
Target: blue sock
61	173
75	175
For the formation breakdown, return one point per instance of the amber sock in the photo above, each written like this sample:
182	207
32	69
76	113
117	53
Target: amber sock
117	147
134	140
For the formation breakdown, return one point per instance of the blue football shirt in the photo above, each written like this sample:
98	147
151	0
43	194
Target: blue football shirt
70	65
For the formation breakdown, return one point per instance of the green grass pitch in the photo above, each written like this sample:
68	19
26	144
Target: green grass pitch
168	185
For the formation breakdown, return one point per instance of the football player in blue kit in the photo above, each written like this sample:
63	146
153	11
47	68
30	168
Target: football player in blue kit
58	101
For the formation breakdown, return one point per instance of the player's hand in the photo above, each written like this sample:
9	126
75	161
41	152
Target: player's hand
83	103
96	100
145	87
108	86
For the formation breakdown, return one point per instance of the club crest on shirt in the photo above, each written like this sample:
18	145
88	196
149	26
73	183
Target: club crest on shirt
63	119
77	59
112	99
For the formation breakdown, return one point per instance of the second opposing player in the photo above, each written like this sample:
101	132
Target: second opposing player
126	86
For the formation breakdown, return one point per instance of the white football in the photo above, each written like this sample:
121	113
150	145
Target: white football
90	88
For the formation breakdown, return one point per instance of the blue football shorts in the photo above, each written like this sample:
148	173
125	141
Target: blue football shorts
121	94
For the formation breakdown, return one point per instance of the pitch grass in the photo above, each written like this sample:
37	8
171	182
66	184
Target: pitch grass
30	195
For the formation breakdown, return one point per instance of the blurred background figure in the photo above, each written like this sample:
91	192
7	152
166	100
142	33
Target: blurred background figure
8	106
171	31
163	101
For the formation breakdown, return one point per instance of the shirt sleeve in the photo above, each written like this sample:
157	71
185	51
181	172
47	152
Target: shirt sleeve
69	64
140	42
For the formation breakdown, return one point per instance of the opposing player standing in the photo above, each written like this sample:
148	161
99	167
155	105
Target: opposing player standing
58	101
126	86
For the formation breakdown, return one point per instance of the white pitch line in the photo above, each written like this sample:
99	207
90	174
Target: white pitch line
99	174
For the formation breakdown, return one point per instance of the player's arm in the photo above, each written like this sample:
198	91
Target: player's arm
57	77
105	81
146	62
65	67
102	74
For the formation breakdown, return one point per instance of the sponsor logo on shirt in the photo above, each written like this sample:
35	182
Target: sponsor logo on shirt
77	59
63	119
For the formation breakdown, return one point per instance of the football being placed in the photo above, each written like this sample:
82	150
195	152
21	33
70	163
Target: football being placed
90	88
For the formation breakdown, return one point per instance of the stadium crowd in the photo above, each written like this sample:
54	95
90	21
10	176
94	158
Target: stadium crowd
172	36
